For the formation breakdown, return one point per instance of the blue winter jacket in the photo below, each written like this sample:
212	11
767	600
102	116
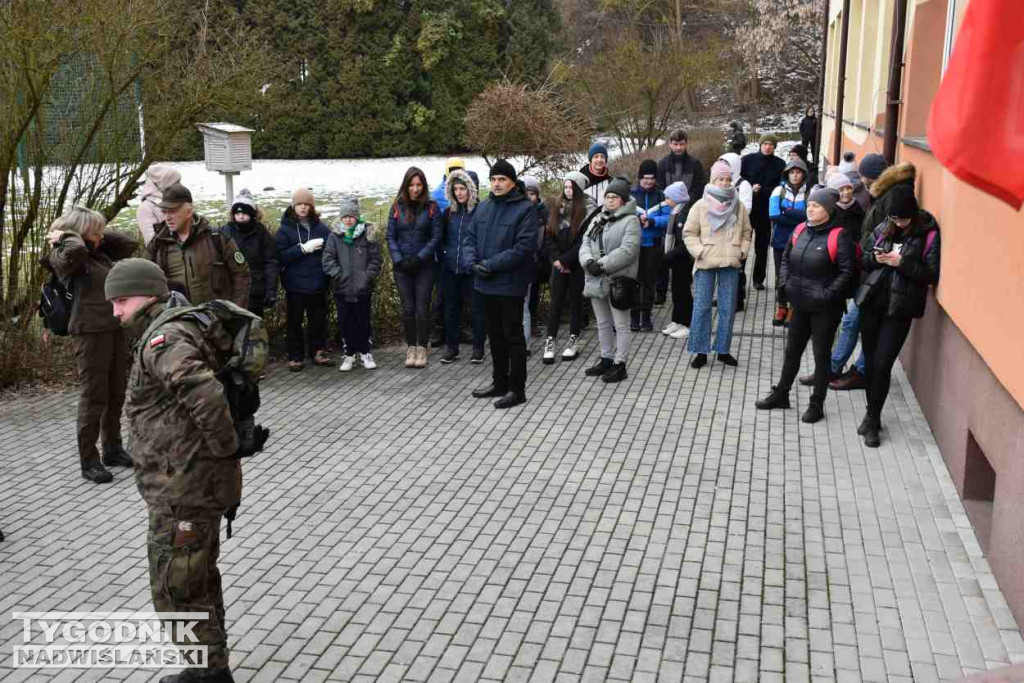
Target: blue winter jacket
453	245
417	237
440	193
786	209
645	199
503	238
301	273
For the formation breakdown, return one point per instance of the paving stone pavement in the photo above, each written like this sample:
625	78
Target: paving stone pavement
661	529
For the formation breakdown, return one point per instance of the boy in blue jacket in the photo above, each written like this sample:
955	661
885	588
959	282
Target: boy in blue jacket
654	217
787	208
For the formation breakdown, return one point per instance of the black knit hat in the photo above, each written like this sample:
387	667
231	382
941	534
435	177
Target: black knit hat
902	203
502	167
647	167
620	187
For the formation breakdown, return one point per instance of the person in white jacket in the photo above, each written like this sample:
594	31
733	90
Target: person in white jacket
158	179
745	192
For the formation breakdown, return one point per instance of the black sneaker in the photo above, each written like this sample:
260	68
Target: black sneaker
777	399
727	359
699	361
478	357
509	400
450	356
97	474
814	413
116	456
599	368
616	373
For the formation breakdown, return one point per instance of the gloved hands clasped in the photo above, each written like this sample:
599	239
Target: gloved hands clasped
312	245
594	268
482	271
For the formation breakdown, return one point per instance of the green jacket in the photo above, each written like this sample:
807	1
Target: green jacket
208	264
183	437
86	269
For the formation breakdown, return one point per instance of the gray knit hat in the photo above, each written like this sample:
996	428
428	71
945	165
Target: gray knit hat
620	187
349	206
135	277
826	197
578	178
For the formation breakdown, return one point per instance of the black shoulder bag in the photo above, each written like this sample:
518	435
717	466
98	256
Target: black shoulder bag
623	289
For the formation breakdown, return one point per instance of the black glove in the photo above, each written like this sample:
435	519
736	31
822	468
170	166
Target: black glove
412	264
482	271
594	268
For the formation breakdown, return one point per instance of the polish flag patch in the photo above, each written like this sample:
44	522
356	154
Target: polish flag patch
158	340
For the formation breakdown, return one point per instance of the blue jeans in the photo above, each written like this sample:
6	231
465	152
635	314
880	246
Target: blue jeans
703	291
847	342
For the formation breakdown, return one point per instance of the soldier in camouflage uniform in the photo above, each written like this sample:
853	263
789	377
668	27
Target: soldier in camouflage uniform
186	454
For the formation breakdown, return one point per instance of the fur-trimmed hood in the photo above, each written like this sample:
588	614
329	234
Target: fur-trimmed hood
462	177
892	176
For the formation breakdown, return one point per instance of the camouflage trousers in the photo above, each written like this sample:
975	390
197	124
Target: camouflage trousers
184	544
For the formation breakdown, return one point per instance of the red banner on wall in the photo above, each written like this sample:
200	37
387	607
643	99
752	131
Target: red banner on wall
976	126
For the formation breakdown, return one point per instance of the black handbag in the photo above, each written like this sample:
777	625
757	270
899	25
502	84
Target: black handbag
624	294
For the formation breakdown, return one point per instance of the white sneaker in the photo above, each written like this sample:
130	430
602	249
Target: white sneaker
570	352
672	327
682	333
347	362
549	351
367	359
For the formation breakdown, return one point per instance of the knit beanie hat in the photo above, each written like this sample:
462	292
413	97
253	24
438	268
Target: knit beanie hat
647	167
826	197
838	181
677	192
797	164
243	203
578	178
303	196
619	187
502	167
531	184
597	148
847	163
872	165
135	277
349	206
721	170
768	137
902	203
800	151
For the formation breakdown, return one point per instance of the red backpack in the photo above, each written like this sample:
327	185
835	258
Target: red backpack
833	242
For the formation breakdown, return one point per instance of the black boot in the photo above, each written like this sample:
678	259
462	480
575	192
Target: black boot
727	359
871	437
779	398
699	361
116	456
96	473
489	391
646	324
867	423
1	537
599	368
616	373
510	400
634	320
814	413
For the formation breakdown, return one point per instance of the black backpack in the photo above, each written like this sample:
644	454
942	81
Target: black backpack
55	305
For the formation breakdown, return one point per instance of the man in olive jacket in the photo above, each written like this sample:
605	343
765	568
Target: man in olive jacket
186	455
501	240
205	262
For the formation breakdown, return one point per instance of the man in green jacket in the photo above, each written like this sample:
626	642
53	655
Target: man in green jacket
186	455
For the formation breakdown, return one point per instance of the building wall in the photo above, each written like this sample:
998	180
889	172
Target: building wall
964	357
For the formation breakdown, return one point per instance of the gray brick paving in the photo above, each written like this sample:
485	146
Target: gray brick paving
660	530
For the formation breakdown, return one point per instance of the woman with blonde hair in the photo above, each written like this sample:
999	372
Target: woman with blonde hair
82	253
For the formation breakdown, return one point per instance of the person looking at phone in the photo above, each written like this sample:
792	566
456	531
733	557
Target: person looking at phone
900	261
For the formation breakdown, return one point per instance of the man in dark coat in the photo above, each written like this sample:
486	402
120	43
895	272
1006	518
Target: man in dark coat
500	244
809	129
677	166
763	170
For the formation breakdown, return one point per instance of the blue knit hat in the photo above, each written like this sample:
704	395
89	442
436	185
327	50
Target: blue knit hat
597	148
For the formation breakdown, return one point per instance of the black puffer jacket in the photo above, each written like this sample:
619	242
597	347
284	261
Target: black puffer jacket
812	281
852	219
257	244
918	269
563	247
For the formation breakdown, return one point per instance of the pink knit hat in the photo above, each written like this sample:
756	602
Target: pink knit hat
721	170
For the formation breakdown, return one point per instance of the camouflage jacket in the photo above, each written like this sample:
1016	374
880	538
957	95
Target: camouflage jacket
183	438
209	265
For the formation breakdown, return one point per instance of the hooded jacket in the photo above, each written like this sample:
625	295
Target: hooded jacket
149	214
300	273
787	207
618	233
657	222
352	268
456	221
563	247
900	174
812	281
918	269
502	236
257	244
74	261
743	188
440	193
724	248
414	235
208	264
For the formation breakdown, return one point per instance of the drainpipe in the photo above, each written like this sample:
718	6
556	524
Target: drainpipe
821	86
844	39
892	106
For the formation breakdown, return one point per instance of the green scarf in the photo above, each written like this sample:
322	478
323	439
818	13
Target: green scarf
347	233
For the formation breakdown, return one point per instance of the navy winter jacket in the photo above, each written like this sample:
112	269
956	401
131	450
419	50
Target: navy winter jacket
658	221
453	245
301	273
503	238
417	235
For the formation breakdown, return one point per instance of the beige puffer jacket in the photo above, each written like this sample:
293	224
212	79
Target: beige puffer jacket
726	248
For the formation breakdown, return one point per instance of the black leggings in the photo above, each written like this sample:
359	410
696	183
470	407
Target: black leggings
780	292
565	287
414	290
820	328
649	272
882	338
682	292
